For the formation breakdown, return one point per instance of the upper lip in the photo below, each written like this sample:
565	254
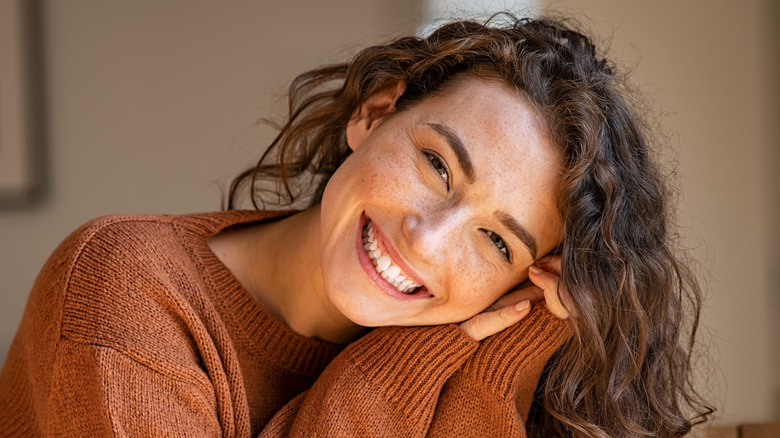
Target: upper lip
395	256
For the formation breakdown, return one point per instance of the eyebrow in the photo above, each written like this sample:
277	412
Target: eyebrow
468	169
518	230
457	146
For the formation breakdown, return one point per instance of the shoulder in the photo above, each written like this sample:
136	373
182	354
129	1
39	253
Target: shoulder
110	244
115	233
131	268
92	248
130	253
130	283
118	240
111	269
95	287
122	277
117	276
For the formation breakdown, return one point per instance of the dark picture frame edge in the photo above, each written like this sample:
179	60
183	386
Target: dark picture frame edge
33	187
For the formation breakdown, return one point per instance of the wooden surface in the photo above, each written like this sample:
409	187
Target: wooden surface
767	430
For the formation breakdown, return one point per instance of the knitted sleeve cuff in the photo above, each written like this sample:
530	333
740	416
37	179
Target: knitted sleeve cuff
516	357
411	364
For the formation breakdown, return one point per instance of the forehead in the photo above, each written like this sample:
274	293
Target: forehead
487	109
496	123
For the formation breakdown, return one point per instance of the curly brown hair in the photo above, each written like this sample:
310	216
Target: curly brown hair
634	303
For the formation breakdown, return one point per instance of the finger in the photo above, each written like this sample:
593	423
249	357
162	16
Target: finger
550	283
487	324
551	263
527	291
545	280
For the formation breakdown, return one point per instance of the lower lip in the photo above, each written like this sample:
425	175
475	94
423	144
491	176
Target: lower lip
370	270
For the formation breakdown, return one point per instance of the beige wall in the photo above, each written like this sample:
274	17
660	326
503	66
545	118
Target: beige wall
152	105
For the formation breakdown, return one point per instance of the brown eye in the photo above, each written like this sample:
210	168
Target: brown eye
438	165
499	243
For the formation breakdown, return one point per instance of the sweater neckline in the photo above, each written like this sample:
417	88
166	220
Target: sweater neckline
244	315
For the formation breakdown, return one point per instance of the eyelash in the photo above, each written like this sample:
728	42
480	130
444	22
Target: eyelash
437	164
441	168
500	244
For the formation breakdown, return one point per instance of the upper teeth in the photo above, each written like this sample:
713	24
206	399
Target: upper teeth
384	265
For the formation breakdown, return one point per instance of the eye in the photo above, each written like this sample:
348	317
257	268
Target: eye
500	244
437	163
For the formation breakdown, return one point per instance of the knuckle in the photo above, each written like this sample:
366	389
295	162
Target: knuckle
479	323
468	327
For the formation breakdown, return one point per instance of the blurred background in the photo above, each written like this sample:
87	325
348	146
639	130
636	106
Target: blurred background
152	106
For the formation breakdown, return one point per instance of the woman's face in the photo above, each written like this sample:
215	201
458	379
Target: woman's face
454	195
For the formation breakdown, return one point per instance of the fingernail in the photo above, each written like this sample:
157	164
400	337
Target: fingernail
535	269
522	305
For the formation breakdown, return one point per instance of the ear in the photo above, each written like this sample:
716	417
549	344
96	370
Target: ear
371	112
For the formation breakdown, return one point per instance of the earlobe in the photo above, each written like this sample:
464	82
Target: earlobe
371	112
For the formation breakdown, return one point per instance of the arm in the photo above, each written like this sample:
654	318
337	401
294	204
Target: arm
385	384
102	352
492	394
389	383
100	391
493	391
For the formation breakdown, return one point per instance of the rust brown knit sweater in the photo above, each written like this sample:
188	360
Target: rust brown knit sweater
134	328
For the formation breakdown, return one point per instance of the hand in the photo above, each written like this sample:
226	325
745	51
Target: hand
506	311
546	274
544	284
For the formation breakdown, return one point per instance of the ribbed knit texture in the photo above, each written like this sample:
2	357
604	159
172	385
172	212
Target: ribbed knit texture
135	328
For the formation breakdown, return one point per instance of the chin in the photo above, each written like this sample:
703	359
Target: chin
353	305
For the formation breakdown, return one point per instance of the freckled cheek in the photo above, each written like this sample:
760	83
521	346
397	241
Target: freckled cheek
472	280
396	184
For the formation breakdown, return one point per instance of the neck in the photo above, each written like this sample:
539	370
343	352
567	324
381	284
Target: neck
279	264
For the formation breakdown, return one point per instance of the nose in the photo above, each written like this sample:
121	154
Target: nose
430	235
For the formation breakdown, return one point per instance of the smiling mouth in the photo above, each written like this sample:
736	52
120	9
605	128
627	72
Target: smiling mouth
384	264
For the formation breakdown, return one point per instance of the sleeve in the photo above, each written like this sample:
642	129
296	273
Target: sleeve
100	352
492	393
427	381
386	384
99	391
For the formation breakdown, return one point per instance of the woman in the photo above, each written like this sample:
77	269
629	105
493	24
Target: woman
484	196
